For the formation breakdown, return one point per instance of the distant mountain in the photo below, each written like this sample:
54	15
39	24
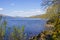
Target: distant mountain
17	18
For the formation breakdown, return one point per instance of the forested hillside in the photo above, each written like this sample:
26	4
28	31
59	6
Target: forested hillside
44	16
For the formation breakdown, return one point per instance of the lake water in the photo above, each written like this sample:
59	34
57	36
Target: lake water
33	26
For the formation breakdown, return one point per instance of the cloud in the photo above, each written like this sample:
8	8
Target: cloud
26	13
1	9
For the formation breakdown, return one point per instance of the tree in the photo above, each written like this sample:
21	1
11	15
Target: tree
54	8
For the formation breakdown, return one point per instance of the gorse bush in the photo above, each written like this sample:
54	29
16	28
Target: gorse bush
54	19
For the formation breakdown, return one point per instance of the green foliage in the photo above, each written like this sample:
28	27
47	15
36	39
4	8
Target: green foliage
2	29
53	14
16	34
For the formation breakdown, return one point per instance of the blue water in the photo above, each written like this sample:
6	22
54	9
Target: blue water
33	26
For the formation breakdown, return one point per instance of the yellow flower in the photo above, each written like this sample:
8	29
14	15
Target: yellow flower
59	31
54	32
54	36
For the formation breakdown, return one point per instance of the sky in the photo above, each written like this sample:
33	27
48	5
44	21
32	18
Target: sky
21	8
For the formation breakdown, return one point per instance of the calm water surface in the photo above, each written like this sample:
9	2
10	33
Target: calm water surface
33	26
